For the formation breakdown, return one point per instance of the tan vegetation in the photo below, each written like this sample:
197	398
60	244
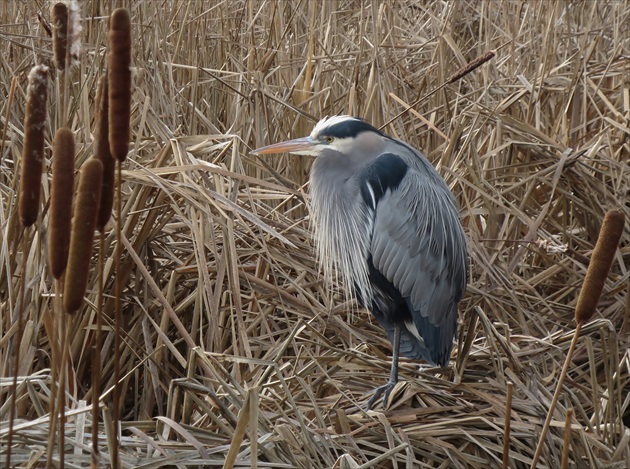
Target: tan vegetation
233	347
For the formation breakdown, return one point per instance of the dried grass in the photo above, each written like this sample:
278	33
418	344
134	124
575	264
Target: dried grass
234	348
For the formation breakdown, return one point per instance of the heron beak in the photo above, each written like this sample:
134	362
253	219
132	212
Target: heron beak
298	145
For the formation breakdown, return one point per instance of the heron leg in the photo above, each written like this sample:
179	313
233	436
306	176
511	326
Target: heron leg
386	389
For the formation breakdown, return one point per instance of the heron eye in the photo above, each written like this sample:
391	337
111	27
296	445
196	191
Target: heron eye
330	139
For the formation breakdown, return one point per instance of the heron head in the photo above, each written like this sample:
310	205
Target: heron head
341	134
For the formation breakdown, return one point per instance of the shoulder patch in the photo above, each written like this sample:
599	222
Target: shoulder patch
384	173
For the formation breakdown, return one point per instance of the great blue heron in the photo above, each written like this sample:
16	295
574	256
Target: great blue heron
387	223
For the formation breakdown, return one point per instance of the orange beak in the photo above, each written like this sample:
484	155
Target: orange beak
290	146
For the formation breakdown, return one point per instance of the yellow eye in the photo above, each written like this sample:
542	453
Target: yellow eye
330	139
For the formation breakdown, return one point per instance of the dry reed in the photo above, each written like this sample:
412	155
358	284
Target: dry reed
62	188
222	292
83	226
8	110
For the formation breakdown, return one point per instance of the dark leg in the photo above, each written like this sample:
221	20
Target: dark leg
386	389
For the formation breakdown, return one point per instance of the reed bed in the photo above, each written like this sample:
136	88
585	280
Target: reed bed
235	352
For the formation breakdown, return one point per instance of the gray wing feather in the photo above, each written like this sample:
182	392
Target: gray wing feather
418	244
409	345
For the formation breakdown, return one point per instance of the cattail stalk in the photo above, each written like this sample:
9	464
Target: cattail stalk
596	274
33	152
103	154
58	247
119	82
82	237
30	183
61	201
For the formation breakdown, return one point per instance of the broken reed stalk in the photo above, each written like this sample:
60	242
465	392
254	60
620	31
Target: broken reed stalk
507	425
119	84
596	274
30	186
59	222
566	442
103	154
82	237
458	75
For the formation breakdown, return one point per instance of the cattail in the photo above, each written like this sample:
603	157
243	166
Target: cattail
83	224
470	66
74	31
119	82
33	152
60	34
61	201
601	261
103	154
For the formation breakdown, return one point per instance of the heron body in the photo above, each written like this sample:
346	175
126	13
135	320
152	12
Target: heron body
388	225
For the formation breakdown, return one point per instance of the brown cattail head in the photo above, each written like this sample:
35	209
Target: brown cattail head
119	82
103	154
601	261
83	224
470	66
60	34
61	201
33	151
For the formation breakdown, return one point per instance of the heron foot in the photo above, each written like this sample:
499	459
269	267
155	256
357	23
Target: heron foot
384	390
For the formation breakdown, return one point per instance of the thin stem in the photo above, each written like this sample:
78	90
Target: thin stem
96	355
556	395
61	393
54	368
507	425
17	342
117	341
